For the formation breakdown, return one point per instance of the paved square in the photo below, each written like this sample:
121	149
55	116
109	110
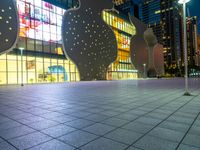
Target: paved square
101	115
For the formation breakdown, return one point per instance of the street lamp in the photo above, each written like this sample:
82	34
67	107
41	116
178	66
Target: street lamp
144	65
183	2
21	49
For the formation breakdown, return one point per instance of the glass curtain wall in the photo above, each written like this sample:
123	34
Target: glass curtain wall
122	68
40	42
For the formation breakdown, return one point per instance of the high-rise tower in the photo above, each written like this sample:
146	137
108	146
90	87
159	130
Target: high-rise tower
164	16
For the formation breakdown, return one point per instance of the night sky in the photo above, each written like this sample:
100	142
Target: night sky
194	8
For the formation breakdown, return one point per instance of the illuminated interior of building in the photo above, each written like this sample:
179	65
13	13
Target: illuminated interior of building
122	68
43	60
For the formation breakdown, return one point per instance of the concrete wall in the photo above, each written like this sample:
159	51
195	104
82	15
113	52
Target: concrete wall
138	46
146	56
88	41
9	25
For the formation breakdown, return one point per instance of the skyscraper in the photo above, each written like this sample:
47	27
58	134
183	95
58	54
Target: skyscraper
172	31
151	12
164	16
198	50
128	7
192	45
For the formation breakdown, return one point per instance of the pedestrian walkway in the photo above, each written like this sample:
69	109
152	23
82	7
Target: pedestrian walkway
101	115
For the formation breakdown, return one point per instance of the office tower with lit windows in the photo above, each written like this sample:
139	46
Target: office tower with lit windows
192	44
128	7
198	50
164	16
151	12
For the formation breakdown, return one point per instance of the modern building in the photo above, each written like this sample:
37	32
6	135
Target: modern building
151	12
198	51
164	16
157	29
122	68
128	7
38	56
139	49
192	46
43	60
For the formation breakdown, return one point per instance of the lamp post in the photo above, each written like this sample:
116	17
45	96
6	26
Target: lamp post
21	50
183	2
144	65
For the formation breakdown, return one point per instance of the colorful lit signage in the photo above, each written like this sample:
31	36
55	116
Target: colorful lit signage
41	21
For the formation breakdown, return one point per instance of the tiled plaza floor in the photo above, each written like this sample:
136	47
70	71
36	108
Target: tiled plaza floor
104	115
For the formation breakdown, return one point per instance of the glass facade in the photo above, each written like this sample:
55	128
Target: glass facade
164	16
122	68
35	70
38	56
40	42
151	12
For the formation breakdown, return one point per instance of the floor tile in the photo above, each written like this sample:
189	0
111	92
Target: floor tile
109	113
6	146
51	115
153	143
104	144
53	145
79	123
182	120
171	135
58	130
148	120
128	117
1	140
187	147
123	136
21	116
28	141
133	148
16	132
41	125
97	117
156	115
192	140
28	121
195	130
63	118
174	126
115	122
78	138
80	114
4	119
99	129
9	124
138	127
